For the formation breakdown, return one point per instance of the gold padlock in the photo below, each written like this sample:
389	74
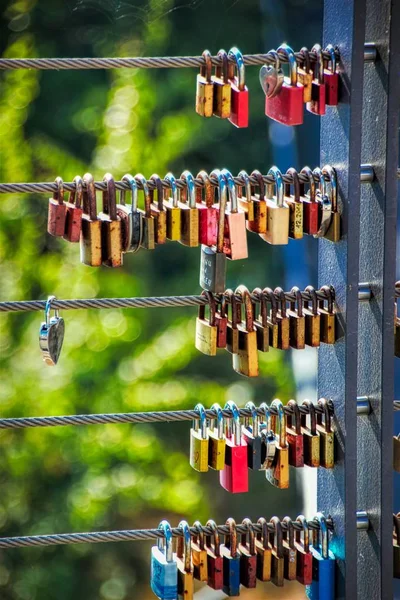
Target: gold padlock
199	442
245	361
277	212
189	213
326	436
305	75
148	220
333	233
171	203
222	88
111	231
205	88
90	242
206	329
295	206
158	211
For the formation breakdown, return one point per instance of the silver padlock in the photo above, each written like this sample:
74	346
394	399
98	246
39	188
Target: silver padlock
51	335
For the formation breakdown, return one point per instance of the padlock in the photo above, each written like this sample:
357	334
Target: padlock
158	211
189	213
396	453
215	562
311	206
278	474
199	554
199	442
90	243
171	203
222	88
264	551
271	76
206	329
396	546
217	440
277	212
333	233
213	260
231	561
272	318
328	317
239	116
269	440
313	319
289	550
324	197
208	213
305	75
183	559
297	321
205	88
234	477
164	570
245	204
323	584
251	435
259	203
282	320
326	435
111	231
51	335
248	556
221	318
331	78
396	332
235	239
294	435
57	211
131	219
310	436
73	215
232	332
148	221
261	322
317	103
277	557
304	556
245	361
287	106
295	206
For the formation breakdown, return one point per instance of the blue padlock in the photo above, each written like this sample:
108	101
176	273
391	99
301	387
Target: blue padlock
231	561
323	585
164	571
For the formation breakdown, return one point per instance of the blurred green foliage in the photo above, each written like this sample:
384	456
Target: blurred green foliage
69	122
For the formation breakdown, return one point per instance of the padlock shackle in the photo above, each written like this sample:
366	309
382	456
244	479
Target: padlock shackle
323	536
234	307
222	71
47	309
299	300
270	297
191	190
281	419
288	51
174	188
146	193
255	419
167	541
332	57
160	191
296	184
247	185
230	182
313	419
323	403
244	293
220	421
134	192
296	416
331	173
234	423
231	538
264	535
110	197
76	195
222	200
203	421
263	306
311	182
326	290
209	196
212	306
278	536
319	65
260	183
206	69
325	200
59	193
217	543
238	56
199	537
314	300
250	535
306	534
89	197
282	300
289	533
279	186
184	546
306	58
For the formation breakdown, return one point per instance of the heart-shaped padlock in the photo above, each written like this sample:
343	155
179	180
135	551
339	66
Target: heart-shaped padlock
271	77
51	335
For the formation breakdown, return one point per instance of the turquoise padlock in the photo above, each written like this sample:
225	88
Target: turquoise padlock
164	570
323	585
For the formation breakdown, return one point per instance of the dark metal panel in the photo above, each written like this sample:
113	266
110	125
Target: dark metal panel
344	25
377	266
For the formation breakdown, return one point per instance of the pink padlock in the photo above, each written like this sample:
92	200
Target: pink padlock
235	475
287	106
208	213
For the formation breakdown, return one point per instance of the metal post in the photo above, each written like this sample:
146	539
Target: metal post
344	25
377	267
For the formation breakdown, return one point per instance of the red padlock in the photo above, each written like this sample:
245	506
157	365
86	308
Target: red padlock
221	321
287	106
215	561
73	217
235	476
239	91
331	78
318	89
294	435
208	213
57	211
304	556
311	206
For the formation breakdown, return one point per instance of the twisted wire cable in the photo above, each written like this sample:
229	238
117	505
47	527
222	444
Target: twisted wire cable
142	62
144	302
133	535
168	416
